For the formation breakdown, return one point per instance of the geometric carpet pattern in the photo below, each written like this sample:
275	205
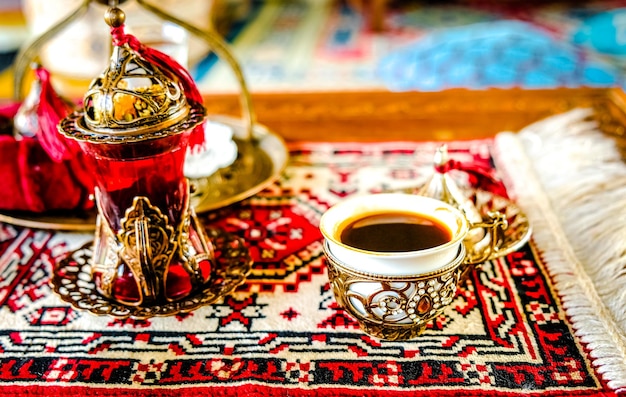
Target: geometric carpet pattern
282	332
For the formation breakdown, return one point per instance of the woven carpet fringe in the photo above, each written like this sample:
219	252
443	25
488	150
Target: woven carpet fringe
570	180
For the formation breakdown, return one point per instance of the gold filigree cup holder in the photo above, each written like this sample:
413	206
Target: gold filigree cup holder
72	281
393	307
399	307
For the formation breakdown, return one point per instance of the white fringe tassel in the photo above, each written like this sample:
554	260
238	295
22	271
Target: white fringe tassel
571	182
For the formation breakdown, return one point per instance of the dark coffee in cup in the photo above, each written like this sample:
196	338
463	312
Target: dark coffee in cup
394	231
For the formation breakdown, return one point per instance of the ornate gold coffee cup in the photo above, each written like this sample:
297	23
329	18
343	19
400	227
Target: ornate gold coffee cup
395	260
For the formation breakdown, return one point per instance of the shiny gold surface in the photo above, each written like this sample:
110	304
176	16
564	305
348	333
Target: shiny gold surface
393	307
71	281
494	225
259	162
384	310
115	17
134	96
147	244
518	230
132	100
74	126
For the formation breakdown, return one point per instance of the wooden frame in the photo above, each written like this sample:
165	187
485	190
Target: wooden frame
444	115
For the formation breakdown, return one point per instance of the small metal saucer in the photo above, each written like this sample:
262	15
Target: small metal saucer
518	231
75	221
516	234
72	281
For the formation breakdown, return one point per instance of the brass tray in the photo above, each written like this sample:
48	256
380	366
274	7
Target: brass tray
259	162
71	281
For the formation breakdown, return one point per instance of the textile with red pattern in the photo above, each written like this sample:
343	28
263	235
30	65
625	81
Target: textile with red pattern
282	332
31	180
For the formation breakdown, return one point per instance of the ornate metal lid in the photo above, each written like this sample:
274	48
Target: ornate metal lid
132	100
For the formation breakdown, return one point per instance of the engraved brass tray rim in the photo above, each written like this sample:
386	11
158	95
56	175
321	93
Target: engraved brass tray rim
84	296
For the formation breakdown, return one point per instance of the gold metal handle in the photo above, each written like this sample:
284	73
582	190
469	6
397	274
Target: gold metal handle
494	228
28	53
220	47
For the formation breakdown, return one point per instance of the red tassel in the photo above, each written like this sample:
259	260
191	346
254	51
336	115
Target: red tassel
479	177
52	108
170	67
31	180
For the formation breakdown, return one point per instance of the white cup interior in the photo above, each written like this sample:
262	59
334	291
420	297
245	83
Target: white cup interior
335	219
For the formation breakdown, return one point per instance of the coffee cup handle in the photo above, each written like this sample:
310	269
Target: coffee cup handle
495	225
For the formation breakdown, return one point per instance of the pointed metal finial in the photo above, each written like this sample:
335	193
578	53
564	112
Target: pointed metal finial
115	17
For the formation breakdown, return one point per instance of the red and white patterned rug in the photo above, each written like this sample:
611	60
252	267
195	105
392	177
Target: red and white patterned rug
282	333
